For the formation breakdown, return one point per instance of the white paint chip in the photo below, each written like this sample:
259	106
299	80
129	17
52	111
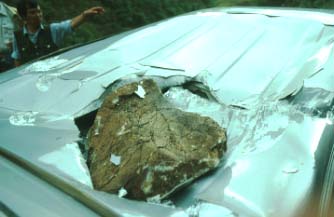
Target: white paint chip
44	65
23	118
140	92
122	192
115	159
98	125
155	199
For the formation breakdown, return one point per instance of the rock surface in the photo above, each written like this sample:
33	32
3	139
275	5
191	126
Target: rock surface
141	144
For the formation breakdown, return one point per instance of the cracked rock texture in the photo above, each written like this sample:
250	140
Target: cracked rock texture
141	143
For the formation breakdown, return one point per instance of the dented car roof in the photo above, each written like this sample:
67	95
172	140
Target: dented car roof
267	76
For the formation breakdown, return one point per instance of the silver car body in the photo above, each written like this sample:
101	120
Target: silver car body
267	75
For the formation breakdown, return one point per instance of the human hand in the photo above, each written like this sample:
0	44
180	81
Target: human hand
93	11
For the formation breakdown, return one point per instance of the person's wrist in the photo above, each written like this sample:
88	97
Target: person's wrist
84	14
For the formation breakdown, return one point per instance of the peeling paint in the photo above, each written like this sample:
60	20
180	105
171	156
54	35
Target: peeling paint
155	199
115	159
23	118
122	192
140	92
98	125
44	65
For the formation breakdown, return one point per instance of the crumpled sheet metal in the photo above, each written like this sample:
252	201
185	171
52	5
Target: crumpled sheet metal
270	165
28	195
325	78
268	58
49	146
304	13
298	49
39	101
44	141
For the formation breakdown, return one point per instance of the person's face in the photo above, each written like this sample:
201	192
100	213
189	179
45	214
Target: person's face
34	16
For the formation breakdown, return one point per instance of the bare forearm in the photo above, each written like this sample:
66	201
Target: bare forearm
80	19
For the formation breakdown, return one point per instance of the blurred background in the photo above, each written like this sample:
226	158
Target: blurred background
122	15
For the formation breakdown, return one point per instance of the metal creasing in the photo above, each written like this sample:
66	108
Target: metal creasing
269	72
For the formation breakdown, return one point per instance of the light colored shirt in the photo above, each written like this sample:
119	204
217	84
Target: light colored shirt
58	33
6	26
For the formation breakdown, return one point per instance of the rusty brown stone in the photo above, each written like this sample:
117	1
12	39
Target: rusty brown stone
147	146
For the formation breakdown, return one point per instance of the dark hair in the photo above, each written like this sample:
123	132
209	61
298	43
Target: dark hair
23	5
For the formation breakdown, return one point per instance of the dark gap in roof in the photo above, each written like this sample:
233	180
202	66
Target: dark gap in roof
84	123
197	88
312	101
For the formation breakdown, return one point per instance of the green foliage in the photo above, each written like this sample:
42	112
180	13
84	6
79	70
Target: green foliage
122	15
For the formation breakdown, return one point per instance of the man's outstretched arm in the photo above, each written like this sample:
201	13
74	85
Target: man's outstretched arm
80	19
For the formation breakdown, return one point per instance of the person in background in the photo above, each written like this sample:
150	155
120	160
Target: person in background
35	39
8	24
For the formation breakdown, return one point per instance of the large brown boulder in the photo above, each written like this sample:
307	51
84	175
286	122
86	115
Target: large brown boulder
140	143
